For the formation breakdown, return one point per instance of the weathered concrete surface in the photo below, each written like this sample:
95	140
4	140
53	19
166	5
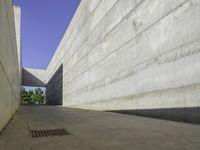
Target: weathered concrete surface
94	130
133	55
34	77
10	71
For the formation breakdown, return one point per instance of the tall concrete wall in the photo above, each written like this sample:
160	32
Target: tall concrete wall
134	55
10	75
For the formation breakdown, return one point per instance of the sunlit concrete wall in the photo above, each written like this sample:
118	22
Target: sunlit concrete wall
10	74
17	16
132	55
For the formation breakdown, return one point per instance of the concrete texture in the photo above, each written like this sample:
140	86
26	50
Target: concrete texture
10	71
142	51
34	77
94	130
54	88
132	55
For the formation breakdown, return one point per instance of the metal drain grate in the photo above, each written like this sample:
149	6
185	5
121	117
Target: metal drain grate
48	133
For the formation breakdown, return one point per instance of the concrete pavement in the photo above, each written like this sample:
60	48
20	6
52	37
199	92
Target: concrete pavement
96	130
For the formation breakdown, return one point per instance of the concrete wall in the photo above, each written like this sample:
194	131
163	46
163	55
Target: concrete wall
17	16
54	88
10	75
133	55
34	77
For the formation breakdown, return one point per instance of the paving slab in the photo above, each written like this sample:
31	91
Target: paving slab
95	130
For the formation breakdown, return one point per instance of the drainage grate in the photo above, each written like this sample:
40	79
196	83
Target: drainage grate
48	133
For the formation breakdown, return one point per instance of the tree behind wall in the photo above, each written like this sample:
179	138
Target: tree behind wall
36	96
25	96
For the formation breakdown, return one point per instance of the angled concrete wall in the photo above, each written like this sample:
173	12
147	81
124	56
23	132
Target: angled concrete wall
10	75
34	77
133	55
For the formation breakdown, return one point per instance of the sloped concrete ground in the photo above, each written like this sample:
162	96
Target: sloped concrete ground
95	130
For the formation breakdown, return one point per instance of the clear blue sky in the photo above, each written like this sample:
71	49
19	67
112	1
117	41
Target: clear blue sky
43	25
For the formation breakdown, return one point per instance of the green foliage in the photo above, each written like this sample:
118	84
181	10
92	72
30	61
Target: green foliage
35	97
25	96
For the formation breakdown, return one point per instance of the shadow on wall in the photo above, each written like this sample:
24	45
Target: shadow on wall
188	115
54	88
31	80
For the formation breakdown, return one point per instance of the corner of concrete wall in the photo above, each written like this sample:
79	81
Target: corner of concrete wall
17	16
